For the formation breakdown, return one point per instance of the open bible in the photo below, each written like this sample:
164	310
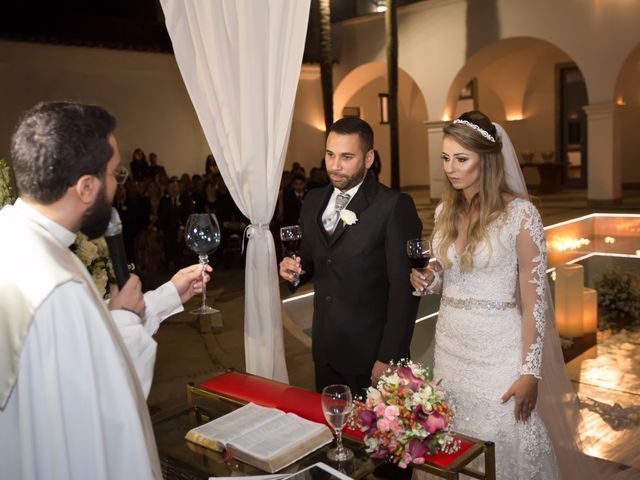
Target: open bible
266	438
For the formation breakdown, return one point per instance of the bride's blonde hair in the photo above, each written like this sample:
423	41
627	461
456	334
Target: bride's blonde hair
488	202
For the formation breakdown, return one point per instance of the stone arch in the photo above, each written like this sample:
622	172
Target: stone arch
360	87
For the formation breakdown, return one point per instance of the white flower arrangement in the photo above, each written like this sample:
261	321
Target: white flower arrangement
7	195
94	254
348	217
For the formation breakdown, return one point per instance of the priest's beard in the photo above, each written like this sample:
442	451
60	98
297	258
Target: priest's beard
96	219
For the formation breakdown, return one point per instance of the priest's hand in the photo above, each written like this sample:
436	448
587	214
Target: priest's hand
130	298
525	391
377	371
421	279
188	281
290	268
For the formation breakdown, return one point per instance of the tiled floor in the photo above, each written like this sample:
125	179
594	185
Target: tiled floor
607	377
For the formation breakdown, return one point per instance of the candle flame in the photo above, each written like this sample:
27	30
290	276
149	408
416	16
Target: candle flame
562	244
609	240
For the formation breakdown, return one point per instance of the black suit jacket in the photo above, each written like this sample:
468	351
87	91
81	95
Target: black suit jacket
363	307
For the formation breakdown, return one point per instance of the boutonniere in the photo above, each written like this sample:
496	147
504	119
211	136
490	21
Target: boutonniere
348	217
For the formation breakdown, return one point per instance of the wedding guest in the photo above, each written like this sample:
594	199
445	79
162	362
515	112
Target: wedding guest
496	345
173	212
75	374
292	198
155	169
139	165
364	312
317	178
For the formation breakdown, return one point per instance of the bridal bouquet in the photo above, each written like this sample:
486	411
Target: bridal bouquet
94	254
406	416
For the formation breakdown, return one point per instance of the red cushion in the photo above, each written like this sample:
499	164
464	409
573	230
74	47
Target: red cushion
304	403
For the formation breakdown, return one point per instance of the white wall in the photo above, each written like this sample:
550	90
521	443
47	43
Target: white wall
143	90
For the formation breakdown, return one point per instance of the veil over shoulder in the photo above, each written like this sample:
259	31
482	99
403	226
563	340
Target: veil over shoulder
558	404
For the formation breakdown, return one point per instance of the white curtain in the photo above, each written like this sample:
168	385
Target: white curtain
240	61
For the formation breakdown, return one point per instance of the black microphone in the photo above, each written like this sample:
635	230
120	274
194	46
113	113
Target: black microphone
113	236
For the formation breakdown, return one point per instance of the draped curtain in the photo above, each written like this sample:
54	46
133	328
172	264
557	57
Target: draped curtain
240	61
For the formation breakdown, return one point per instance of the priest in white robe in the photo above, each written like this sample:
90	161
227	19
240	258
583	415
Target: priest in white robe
74	373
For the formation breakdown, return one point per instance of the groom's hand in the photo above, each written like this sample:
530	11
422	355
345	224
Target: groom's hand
377	371
290	268
525	391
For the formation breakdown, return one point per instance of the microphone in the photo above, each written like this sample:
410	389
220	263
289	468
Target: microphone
113	236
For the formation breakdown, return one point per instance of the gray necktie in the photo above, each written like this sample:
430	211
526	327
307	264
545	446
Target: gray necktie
331	221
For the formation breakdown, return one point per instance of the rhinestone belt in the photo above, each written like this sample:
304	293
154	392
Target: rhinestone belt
473	303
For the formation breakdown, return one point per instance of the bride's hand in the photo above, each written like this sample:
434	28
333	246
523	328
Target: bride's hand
525	391
421	279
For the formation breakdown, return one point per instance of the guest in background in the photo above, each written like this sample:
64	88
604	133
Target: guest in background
232	223
173	212
211	170
139	165
134	211
317	178
292	198
155	169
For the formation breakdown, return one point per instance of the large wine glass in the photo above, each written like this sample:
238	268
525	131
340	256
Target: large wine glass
291	237
419	251
337	406
202	235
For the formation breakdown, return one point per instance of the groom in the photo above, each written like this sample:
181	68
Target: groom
354	248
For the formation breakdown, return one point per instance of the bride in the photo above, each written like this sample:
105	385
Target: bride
497	349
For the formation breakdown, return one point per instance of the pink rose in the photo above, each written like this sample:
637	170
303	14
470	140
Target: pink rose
379	409
383	425
391	412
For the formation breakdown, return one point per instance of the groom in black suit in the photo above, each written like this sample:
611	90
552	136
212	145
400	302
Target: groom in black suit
354	248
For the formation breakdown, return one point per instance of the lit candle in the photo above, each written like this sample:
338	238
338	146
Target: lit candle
590	312
569	300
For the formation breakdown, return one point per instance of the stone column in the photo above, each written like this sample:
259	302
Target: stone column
604	169
436	174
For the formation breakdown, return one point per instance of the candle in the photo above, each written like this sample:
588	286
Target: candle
590	312
569	300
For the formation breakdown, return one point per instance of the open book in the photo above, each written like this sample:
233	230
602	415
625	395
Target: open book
266	438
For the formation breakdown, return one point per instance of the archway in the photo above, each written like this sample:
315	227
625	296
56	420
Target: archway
627	99
360	90
518	86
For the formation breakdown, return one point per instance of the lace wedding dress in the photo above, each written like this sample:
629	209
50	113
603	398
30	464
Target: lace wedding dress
490	331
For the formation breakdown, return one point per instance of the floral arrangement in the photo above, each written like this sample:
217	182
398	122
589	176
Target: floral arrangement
94	254
618	295
406	416
7	195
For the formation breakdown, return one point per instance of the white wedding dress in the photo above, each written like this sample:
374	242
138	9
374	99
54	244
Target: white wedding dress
490	330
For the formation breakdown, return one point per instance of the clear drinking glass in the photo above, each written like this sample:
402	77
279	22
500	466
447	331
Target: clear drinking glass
291	237
419	251
202	236
337	405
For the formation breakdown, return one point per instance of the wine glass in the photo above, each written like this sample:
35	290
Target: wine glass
419	251
337	405
291	237
202	235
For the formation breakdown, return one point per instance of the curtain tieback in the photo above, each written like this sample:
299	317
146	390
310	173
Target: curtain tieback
251	229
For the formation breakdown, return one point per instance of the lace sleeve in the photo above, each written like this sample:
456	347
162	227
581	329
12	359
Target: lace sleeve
532	266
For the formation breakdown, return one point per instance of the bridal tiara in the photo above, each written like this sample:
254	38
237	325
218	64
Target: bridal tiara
478	129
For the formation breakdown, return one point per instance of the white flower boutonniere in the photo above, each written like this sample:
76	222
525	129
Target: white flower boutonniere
348	217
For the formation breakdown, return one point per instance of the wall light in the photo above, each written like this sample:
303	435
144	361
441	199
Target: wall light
380	5
384	107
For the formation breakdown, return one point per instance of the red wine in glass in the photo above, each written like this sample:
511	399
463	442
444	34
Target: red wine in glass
291	237
419	252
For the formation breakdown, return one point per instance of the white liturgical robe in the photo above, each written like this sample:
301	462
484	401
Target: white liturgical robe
76	406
